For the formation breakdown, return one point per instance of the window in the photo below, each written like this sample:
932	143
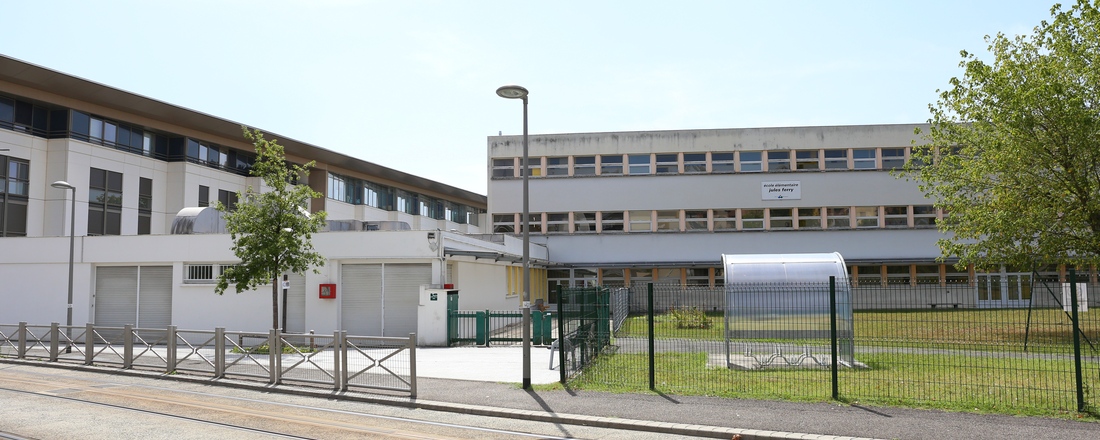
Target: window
667	164
924	216
145	206
869	274
751	161
406	202
809	218
611	165
698	276
534	163
204	196
557	223
864	159
896	216
696	162
612	277
696	220
504	223
866	216
956	276
534	222
584	222
14	183
504	168
584	166
893	158
104	202
928	273
836	159
557	166
641	221
668	221
779	161
668	276
752	219
228	199
639	163
725	219
721	162
838	218
611	221
897	274
780	218
806	160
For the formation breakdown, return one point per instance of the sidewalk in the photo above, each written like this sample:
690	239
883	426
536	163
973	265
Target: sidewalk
486	381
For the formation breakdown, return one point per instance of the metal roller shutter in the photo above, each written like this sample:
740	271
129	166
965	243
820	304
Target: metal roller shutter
155	297
116	291
296	304
361	302
402	297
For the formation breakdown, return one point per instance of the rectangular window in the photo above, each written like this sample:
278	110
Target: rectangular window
924	216
534	222
641	221
896	216
584	166
869	274
557	166
698	276
228	199
838	218
866	216
204	196
668	221
864	159
956	276
779	161
809	218
611	165
504	168
893	158
145	205
557	223
14	182
721	163
504	223
928	273
612	277
535	165
751	161
611	221
695	220
584	222
807	159
406	202
667	164
725	219
104	202
897	274
695	162
752	219
780	218
639	164
836	159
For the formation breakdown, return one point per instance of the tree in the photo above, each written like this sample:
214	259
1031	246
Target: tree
1013	152
271	230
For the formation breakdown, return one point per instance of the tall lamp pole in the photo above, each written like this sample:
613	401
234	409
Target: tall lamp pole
61	184
517	92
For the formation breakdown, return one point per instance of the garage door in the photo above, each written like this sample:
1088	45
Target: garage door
361	303
402	297
131	295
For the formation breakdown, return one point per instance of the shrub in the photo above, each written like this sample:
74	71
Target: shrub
690	317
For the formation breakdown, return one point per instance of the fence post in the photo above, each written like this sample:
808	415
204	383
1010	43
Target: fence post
21	352
171	343
832	335
89	343
652	355
412	365
561	335
127	346
274	355
1076	341
55	346
343	353
482	324
219	352
337	376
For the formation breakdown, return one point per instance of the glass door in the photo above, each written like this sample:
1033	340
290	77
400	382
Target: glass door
1002	290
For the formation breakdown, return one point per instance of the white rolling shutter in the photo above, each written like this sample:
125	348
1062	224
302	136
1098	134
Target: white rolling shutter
361	300
116	291
402	297
296	304
155	297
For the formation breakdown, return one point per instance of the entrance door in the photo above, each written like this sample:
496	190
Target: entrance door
1004	289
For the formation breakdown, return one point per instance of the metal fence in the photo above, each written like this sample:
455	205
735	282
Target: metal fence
486	327
338	361
997	347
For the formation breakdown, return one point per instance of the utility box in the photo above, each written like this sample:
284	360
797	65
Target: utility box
432	315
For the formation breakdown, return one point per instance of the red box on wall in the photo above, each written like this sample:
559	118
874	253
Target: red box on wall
327	291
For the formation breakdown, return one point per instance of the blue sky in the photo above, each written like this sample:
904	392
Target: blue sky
410	84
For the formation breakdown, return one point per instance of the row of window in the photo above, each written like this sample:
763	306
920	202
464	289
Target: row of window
14	186
227	198
105	203
361	192
740	219
702	163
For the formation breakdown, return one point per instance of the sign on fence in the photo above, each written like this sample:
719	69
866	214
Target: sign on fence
1082	298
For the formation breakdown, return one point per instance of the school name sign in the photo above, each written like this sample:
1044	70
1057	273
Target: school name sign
783	190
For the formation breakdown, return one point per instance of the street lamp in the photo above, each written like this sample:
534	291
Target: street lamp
61	184
517	92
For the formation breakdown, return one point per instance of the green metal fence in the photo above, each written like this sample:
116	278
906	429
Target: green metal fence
1001	347
486	327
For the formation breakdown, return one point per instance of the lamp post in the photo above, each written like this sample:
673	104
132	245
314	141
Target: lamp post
61	184
517	92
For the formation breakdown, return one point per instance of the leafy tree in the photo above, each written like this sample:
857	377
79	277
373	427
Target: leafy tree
271	230
1013	152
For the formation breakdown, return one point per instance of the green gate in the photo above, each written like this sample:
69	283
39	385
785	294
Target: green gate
484	327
